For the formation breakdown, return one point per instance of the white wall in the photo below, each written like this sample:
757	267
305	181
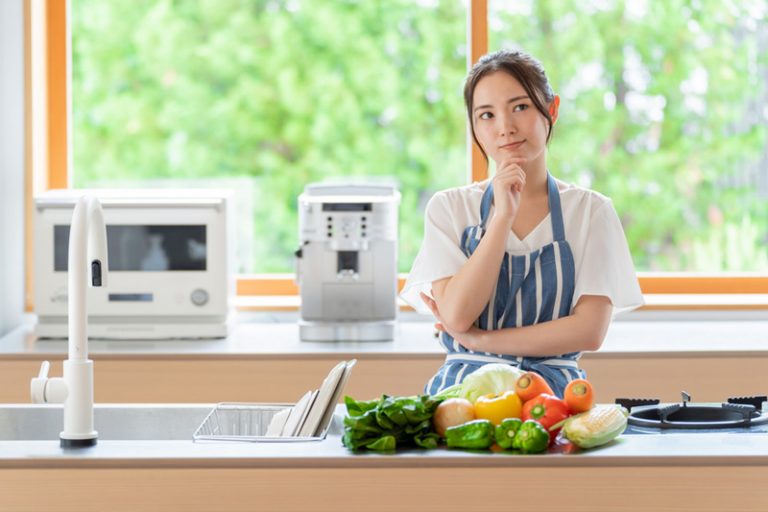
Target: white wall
11	163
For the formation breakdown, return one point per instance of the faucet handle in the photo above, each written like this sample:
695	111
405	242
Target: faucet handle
47	390
37	386
44	370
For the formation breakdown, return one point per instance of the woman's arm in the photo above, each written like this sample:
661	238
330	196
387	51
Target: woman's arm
584	329
462	297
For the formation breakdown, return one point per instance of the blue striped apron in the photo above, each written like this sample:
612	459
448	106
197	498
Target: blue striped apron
531	288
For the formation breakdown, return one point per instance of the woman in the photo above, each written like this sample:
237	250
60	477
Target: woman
523	268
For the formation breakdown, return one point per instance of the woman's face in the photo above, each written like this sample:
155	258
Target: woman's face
506	121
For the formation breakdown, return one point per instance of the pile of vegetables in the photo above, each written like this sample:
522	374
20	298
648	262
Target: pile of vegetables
528	417
497	406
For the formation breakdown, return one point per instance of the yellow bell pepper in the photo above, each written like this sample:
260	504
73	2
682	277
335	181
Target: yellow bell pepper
498	406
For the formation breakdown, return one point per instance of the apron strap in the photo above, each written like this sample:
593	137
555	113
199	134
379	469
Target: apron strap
485	207
555	210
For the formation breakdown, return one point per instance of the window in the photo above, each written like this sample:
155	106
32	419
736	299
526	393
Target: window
266	97
665	110
617	66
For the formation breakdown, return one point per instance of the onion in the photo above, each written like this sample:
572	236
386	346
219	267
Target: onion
452	412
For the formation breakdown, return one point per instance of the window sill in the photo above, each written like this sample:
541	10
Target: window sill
706	301
653	302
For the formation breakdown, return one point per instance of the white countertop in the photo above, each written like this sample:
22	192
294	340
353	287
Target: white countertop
268	335
692	449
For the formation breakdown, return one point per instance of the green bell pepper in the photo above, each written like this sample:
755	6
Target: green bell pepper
506	430
531	437
475	434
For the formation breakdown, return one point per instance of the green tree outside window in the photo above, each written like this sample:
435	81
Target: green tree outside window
664	109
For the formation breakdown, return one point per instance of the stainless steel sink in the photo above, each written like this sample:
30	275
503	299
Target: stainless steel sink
22	422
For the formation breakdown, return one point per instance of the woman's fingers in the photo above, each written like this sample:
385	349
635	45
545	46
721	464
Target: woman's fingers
431	304
510	177
510	173
512	182
511	165
509	181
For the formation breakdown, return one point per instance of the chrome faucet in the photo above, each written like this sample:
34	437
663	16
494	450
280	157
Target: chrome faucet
87	260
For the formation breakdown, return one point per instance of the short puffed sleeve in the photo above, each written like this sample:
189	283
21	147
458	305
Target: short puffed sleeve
440	255
605	266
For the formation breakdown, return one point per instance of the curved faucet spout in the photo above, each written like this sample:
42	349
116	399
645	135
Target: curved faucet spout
87	264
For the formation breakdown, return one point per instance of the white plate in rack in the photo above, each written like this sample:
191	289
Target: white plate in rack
277	423
326	420
298	414
324	396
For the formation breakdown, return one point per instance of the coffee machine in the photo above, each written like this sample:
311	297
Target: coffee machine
346	264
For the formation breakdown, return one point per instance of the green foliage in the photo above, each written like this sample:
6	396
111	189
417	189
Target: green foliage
663	112
731	247
287	93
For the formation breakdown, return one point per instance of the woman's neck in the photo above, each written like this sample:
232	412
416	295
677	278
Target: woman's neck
535	179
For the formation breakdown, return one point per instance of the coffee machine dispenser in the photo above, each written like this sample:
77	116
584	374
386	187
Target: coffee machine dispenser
346	264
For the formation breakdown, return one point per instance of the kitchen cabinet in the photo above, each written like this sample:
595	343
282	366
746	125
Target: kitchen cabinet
267	363
148	379
597	489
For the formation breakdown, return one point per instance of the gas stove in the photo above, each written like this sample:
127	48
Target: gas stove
737	415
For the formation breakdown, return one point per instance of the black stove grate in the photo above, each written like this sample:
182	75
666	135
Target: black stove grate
756	401
737	412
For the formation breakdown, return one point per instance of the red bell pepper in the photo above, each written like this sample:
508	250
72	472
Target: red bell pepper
546	409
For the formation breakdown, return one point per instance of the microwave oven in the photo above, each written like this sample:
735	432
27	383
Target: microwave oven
169	262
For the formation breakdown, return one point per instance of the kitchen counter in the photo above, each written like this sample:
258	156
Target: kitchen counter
266	335
693	472
692	449
263	360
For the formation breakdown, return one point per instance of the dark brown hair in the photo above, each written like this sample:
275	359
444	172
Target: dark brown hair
525	69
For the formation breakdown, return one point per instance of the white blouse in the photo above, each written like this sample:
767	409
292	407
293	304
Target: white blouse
592	229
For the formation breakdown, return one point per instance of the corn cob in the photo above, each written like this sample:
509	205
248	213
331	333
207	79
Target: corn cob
598	426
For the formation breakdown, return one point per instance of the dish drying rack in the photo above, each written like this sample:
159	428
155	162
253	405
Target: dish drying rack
309	419
245	422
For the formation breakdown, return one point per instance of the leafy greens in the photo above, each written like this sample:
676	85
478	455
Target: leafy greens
388	422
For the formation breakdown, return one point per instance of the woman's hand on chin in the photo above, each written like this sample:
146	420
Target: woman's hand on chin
469	339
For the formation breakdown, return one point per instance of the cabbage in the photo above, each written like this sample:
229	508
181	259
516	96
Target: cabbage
490	378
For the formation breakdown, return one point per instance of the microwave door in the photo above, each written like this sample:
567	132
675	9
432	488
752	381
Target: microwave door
145	248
